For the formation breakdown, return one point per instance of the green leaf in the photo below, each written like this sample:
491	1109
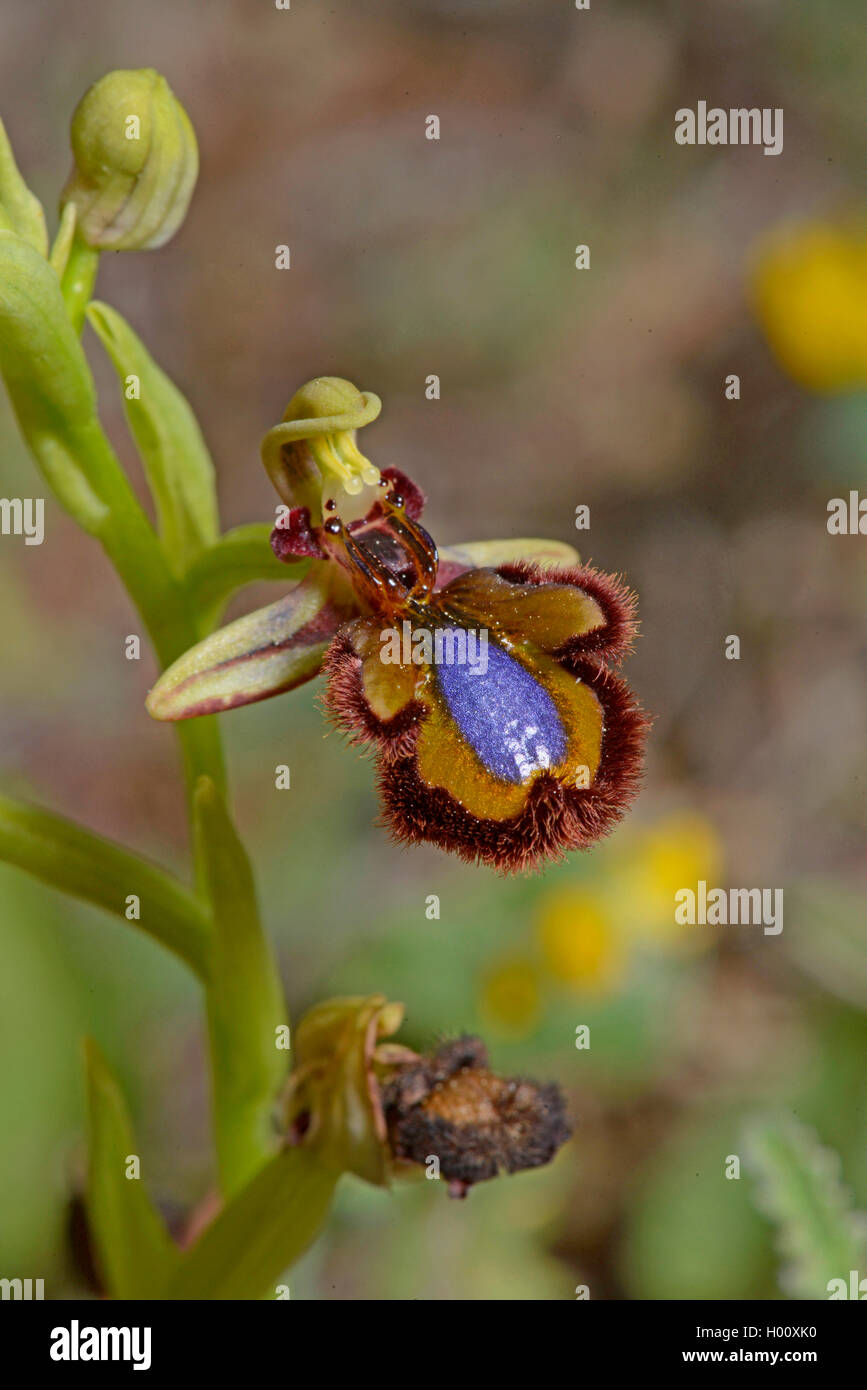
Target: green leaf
23	209
246	1007
135	1254
175	457
53	396
261	1232
73	860
262	654
821	1237
241	556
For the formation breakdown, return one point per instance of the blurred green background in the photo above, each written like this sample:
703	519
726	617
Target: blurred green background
603	387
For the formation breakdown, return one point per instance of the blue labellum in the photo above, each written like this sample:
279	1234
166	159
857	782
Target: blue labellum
507	717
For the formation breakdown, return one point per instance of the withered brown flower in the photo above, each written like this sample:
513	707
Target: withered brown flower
452	1107
379	1110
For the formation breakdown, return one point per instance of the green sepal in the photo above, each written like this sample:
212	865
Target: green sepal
335	1086
491	554
264	653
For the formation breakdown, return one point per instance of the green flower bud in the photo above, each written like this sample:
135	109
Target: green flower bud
136	162
312	453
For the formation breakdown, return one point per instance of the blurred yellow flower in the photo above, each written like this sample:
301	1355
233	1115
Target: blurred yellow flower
678	851
809	287
510	996
580	941
588	935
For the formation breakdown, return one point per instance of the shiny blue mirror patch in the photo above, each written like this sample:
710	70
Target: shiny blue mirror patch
506	716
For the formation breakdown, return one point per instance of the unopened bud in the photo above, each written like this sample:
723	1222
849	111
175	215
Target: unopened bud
136	162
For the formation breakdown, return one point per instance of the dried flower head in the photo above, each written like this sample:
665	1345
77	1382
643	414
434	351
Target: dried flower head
377	1109
452	1107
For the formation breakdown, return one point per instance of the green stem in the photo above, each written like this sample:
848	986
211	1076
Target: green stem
79	278
243	1095
247	999
241	556
54	398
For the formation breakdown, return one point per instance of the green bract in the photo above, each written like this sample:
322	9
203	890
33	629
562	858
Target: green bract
20	210
176	459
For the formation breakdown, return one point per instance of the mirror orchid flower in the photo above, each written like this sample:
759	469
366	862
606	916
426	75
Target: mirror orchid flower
483	676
